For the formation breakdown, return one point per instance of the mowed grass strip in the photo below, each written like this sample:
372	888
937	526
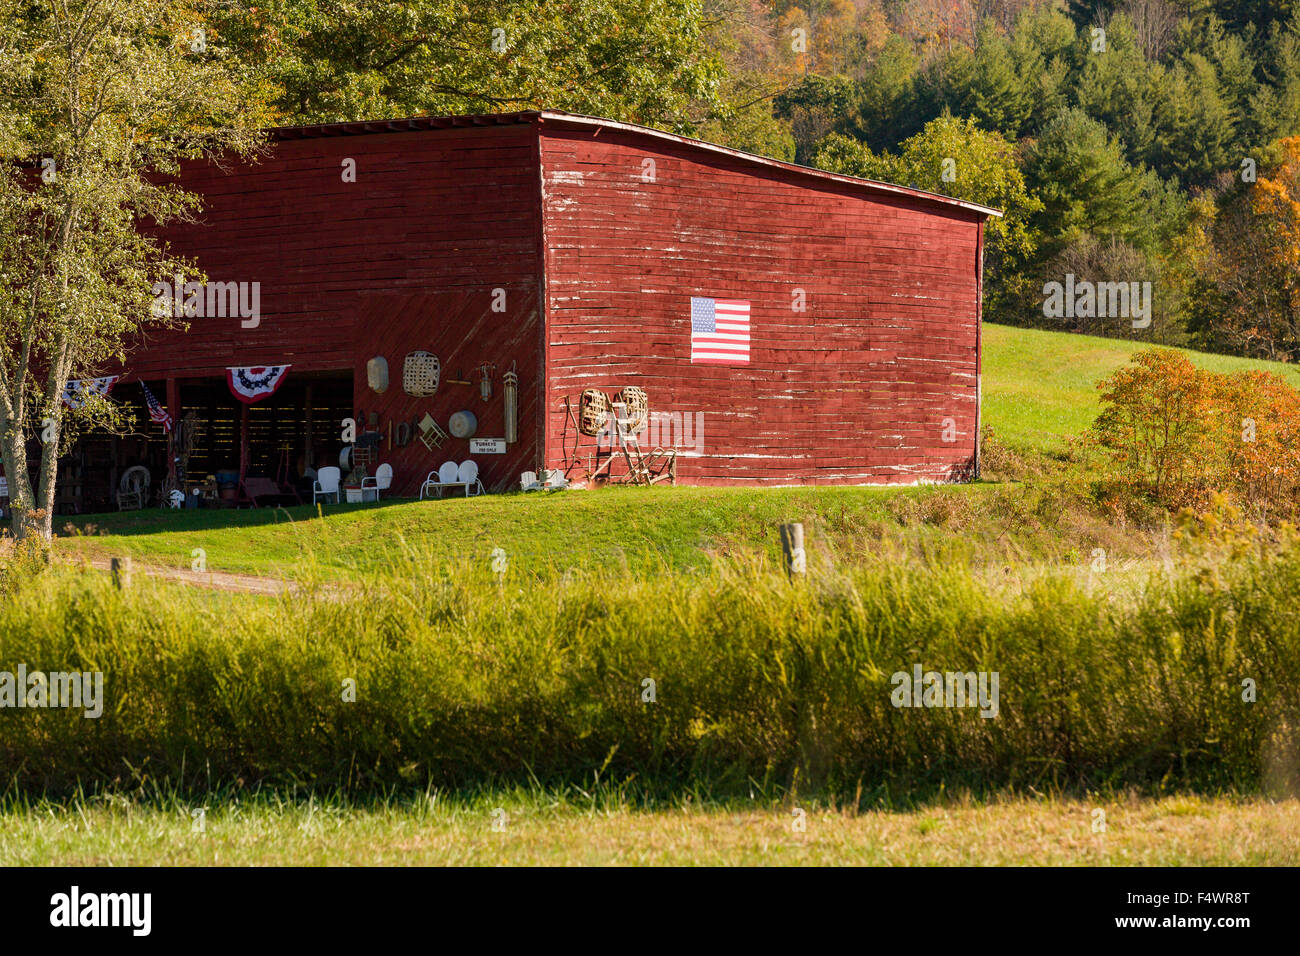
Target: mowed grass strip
1176	831
636	528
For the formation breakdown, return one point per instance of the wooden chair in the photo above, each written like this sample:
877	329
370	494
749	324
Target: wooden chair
133	489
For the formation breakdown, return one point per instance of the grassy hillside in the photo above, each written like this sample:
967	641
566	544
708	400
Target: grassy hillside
1114	680
1042	386
637	527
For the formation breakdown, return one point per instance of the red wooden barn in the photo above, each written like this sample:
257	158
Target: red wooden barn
789	326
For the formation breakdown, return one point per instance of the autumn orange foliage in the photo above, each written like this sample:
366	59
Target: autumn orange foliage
1246	266
1179	434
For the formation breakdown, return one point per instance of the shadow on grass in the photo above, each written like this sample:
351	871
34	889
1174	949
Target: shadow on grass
155	520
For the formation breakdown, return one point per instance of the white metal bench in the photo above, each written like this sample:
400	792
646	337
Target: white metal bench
451	475
549	480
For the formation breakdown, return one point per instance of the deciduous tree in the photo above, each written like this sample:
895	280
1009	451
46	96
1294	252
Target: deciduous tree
1246	289
100	100
642	61
956	158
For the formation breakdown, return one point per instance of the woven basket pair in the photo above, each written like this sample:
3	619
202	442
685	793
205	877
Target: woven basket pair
595	407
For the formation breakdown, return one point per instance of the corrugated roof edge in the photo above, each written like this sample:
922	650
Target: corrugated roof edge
540	117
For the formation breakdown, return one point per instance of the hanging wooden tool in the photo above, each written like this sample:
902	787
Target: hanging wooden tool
377	374
593	411
485	380
512	404
636	407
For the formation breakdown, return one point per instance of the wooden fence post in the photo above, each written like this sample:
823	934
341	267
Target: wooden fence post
121	573
796	562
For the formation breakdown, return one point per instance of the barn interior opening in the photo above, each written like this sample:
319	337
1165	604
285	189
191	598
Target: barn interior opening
295	429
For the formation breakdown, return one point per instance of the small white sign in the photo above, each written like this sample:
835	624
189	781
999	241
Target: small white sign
487	446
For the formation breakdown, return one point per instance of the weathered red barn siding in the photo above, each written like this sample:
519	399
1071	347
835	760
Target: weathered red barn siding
405	258
460	328
598	266
855	389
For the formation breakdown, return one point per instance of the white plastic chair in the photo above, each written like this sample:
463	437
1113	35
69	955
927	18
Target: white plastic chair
381	480
467	475
326	483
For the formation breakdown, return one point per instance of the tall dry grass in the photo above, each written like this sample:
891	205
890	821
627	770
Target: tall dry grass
462	678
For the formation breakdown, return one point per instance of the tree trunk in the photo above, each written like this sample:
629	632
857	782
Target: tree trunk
33	514
51	435
27	521
48	480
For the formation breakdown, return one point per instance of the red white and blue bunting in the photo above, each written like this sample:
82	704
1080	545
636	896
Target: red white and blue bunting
252	383
77	391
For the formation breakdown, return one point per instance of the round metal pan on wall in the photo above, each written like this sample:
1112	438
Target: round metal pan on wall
462	424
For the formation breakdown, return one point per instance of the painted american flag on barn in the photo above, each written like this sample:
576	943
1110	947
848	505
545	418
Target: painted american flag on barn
719	331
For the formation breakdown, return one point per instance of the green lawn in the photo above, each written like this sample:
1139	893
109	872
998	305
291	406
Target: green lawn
1042	386
642	527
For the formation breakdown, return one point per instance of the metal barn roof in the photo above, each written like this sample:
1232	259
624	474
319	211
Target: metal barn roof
561	119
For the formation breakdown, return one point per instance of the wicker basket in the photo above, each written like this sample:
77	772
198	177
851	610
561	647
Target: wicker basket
637	405
420	374
593	412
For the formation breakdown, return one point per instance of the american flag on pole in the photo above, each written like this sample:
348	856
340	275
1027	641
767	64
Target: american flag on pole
156	412
719	332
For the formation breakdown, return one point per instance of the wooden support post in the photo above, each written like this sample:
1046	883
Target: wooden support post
796	561
979	351
308	449
121	568
243	442
173	439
